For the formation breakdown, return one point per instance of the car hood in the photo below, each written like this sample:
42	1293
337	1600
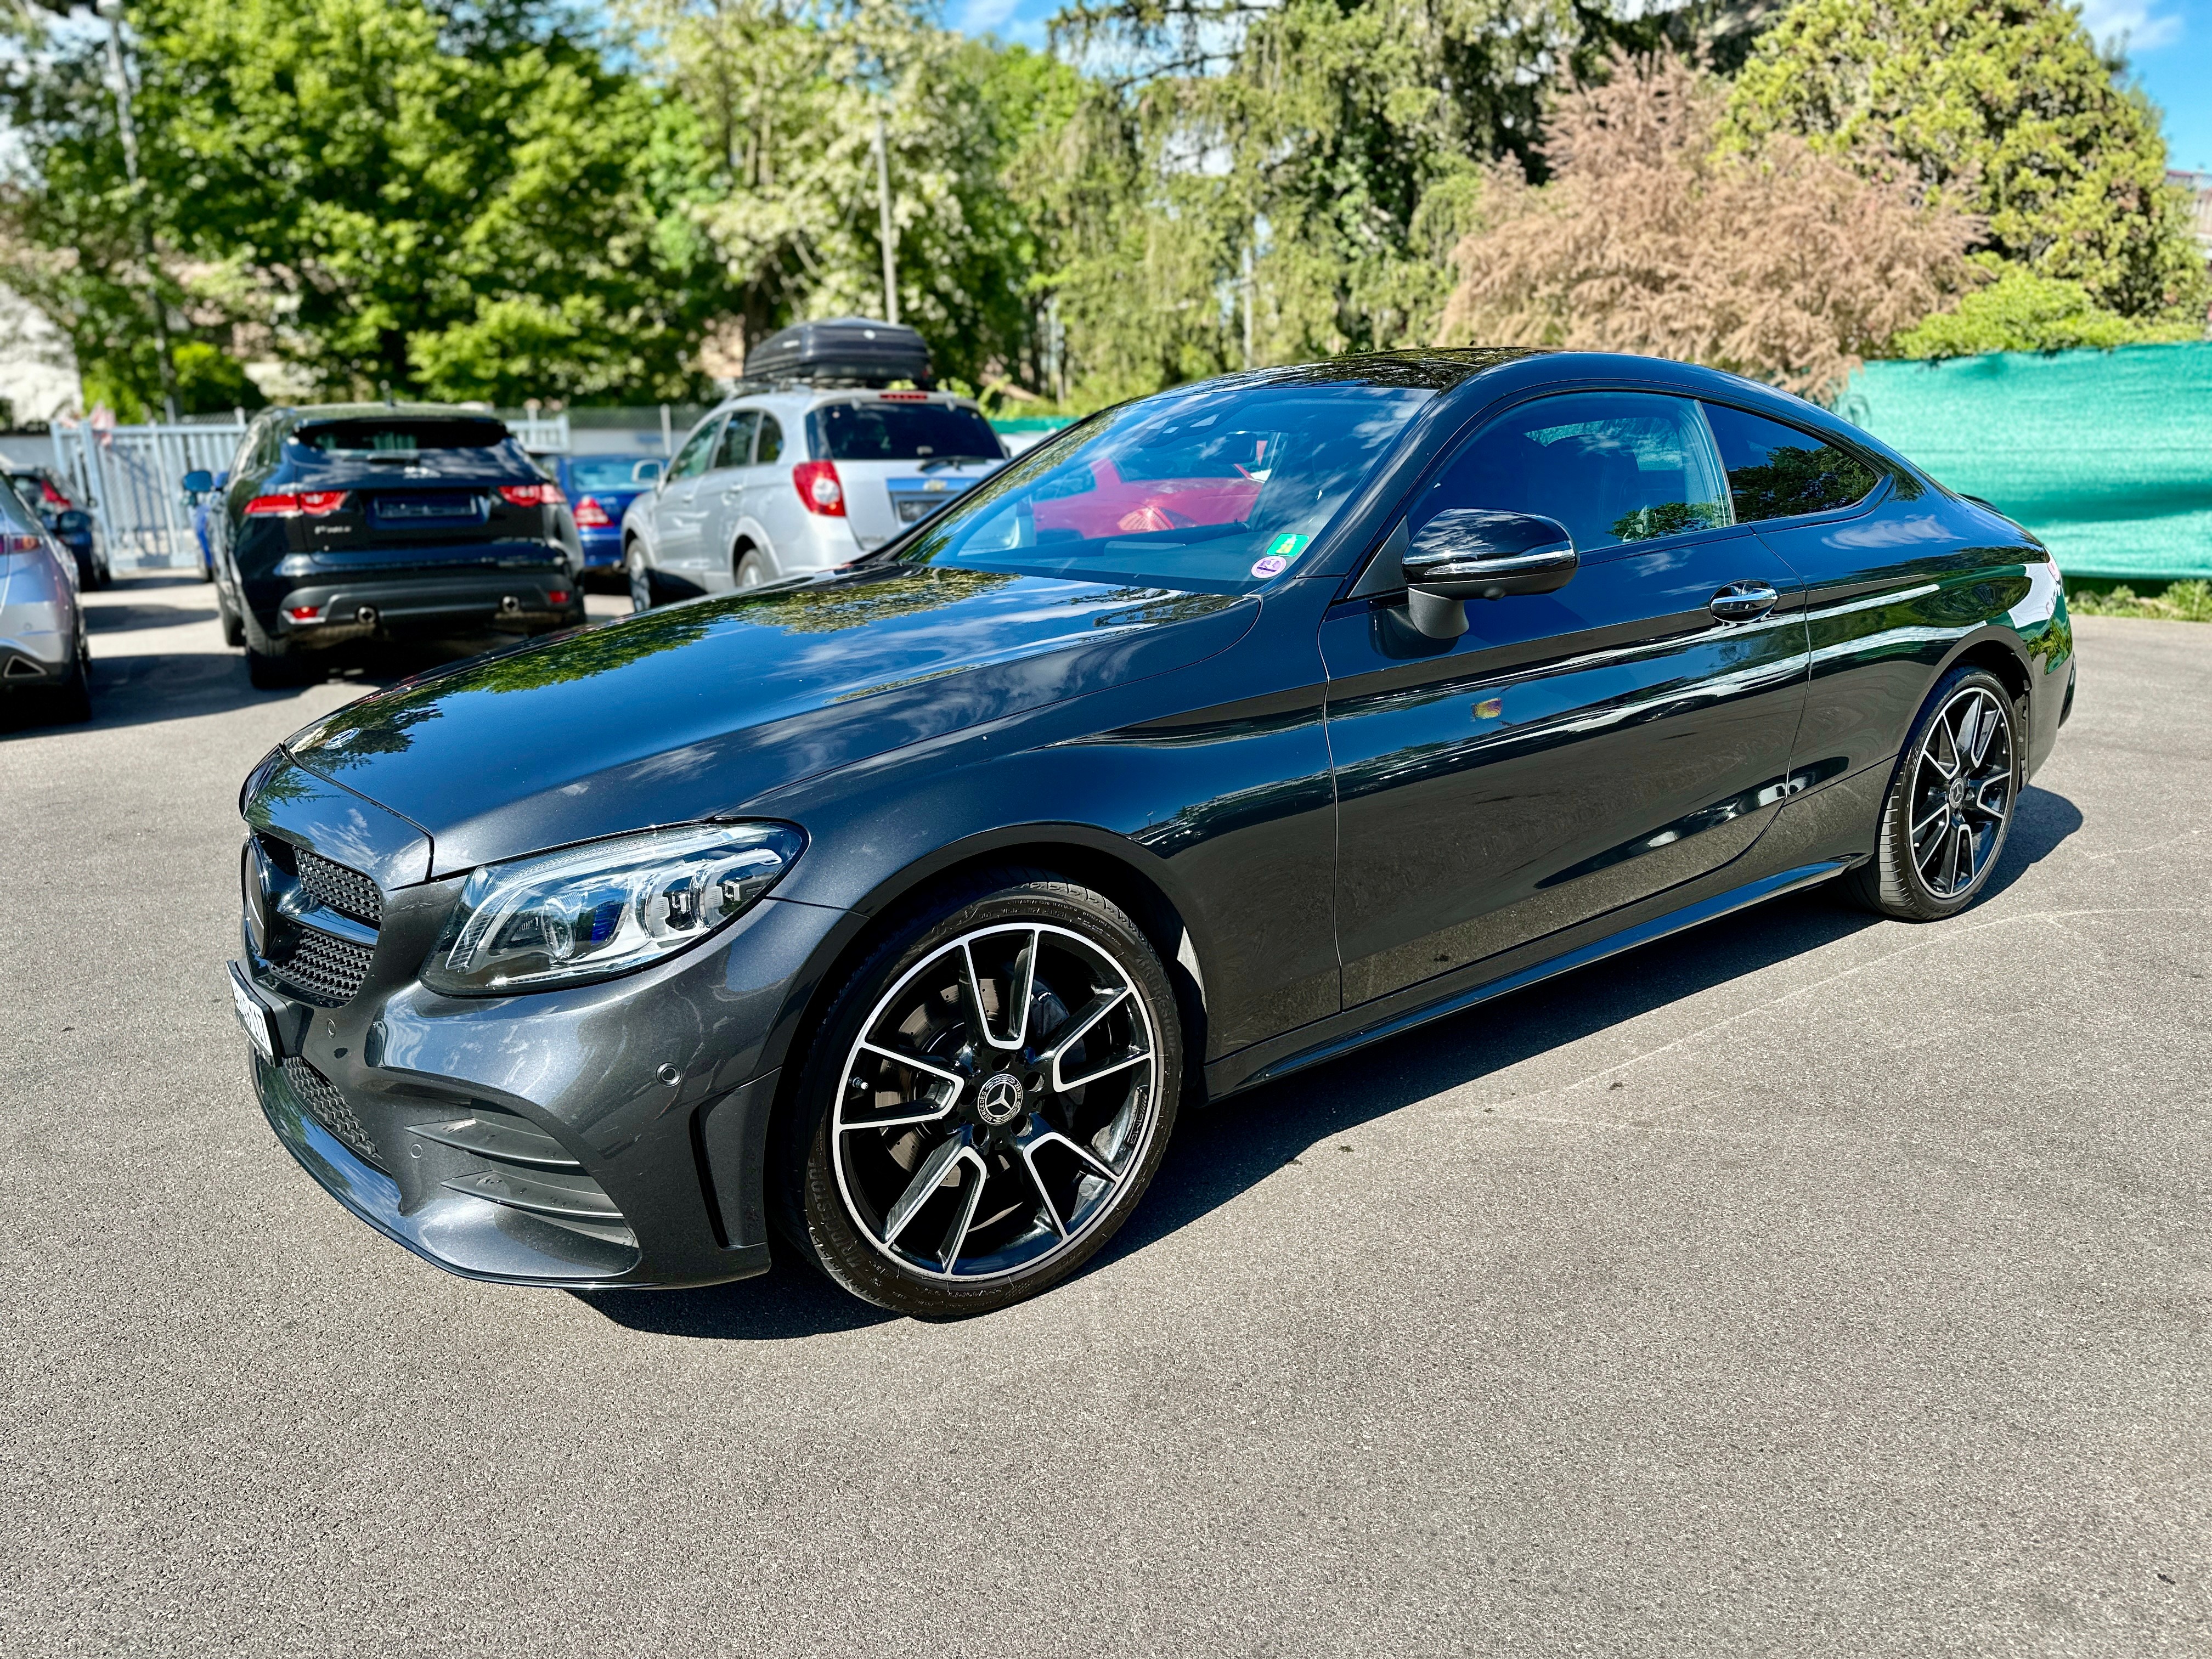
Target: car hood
698	710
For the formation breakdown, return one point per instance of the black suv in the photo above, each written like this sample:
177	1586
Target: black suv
367	521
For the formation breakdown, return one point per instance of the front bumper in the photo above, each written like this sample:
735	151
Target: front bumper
597	1135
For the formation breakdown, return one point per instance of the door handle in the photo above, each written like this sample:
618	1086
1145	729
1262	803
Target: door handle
1744	601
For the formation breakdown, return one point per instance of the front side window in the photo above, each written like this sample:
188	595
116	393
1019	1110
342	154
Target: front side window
691	460
736	448
1614	467
1776	472
1211	489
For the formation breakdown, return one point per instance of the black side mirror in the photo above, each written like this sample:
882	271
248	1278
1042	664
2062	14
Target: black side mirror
1468	553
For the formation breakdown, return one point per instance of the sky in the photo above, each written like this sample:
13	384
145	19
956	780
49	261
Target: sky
2168	43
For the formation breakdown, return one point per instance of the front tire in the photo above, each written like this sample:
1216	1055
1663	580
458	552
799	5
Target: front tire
1950	806
985	1100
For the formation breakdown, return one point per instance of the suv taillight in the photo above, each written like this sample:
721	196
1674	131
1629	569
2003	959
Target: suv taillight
537	494
315	503
818	487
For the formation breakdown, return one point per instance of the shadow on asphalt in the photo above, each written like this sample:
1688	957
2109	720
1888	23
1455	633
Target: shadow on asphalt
139	689
1221	1151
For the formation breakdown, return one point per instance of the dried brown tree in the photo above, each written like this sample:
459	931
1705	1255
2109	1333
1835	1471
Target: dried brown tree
1775	263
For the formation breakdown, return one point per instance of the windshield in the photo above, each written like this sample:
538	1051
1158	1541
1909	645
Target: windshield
902	432
399	435
612	472
1211	490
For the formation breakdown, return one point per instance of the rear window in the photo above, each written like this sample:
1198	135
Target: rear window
398	435
612	472
1776	472
902	432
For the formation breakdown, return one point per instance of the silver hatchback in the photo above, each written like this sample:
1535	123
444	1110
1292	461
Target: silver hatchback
799	479
45	660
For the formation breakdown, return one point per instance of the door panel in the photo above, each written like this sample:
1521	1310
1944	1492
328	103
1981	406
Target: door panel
1893	576
1570	754
679	511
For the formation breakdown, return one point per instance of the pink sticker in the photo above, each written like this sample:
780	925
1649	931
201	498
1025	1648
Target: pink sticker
1271	566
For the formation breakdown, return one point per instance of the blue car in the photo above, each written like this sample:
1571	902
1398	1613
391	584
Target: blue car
600	489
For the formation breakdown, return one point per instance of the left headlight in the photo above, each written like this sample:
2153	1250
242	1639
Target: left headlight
596	911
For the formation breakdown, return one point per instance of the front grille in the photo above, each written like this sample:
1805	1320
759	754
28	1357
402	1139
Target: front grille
347	891
325	970
328	1107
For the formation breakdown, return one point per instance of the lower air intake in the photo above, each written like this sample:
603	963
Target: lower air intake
328	1107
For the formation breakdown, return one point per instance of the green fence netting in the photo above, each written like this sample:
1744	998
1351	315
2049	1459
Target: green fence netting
2106	455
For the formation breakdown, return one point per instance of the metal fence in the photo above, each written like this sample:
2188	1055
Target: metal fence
131	479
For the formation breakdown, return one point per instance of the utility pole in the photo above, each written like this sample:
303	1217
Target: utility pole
889	231
1246	286
113	11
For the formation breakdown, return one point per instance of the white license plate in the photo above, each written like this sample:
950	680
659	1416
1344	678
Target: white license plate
253	1014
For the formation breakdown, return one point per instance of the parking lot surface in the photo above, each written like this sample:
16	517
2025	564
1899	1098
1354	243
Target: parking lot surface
1808	1283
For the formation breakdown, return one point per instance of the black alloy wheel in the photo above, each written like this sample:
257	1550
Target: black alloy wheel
987	1101
1950	806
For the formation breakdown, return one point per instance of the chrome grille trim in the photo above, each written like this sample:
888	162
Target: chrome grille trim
325	970
345	890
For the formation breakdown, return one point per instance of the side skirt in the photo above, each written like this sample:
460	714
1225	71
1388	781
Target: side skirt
1373	1024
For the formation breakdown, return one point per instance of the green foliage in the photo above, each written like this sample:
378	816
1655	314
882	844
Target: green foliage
210	382
2023	311
455	204
783	96
2186	601
2002	108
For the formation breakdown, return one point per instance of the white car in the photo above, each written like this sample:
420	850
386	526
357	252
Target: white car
786	483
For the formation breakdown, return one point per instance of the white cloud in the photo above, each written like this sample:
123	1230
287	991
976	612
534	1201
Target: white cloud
2139	23
980	16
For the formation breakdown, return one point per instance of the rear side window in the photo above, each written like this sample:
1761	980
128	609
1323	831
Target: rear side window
770	446
1612	466
1776	472
902	432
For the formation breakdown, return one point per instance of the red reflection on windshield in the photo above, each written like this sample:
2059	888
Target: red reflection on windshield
1118	506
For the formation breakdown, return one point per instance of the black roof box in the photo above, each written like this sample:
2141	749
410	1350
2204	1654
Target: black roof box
841	351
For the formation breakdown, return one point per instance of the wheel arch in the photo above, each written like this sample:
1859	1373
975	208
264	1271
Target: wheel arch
1108	864
2000	652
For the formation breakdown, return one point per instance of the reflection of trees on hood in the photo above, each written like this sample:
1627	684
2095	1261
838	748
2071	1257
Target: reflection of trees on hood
878	596
384	723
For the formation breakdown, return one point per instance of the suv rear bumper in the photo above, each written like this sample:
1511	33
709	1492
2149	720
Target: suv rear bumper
421	604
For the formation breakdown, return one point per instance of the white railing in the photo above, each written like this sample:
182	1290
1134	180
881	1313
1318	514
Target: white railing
131	479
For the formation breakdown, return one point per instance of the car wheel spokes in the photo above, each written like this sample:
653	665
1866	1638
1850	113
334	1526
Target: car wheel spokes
980	1126
1962	788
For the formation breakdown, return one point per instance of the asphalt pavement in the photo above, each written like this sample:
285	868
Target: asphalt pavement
1806	1285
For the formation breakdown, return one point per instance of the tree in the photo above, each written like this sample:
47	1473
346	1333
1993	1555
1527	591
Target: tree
784	96
2022	311
2001	108
1776	262
456	202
